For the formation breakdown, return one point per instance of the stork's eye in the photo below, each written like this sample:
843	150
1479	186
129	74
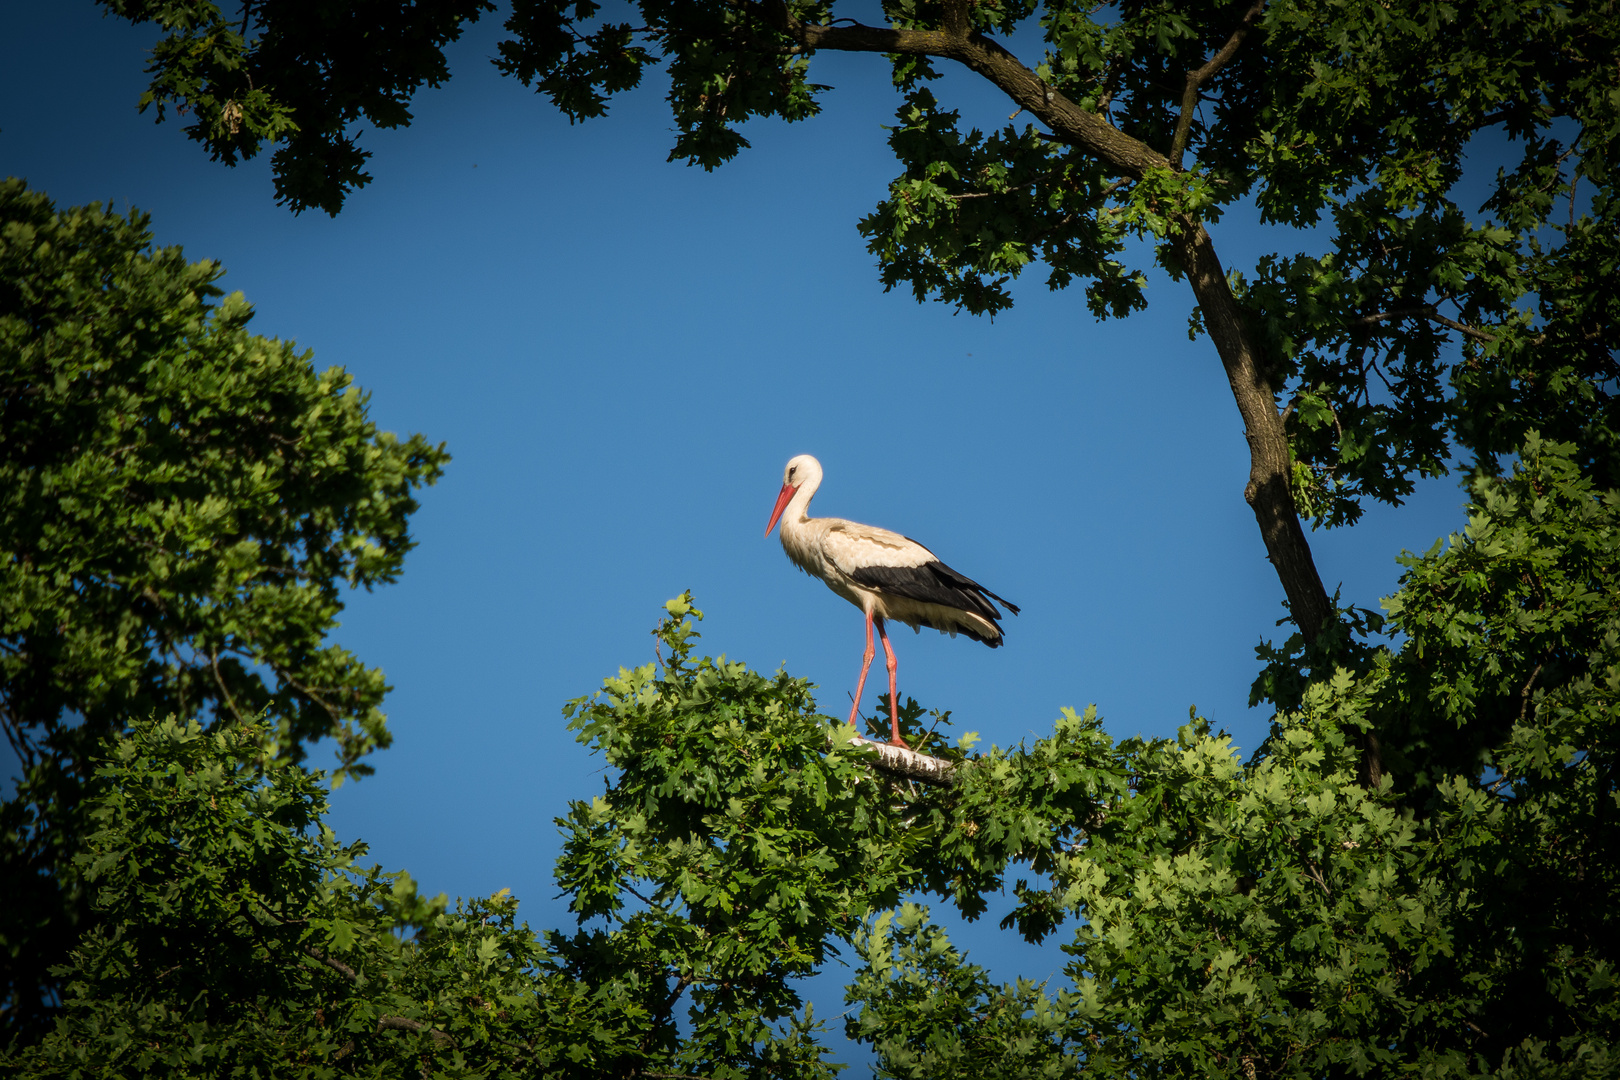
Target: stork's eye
791	472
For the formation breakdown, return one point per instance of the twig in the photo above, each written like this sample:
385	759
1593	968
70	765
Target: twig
230	702
21	745
309	692
1315	874
272	917
384	1023
336	965
1108	81
1198	77
1461	328
405	1023
1427	311
1393	313
1372	365
1524	695
308	950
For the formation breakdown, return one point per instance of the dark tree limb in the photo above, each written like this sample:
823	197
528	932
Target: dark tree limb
1198	77
225	691
405	1023
336	965
1085	129
1269	492
1524	695
1462	328
1427	311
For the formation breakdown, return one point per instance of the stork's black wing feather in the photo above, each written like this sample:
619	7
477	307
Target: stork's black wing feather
933	583
963	581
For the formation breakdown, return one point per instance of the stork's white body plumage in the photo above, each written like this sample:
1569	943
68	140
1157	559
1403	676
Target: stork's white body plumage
886	575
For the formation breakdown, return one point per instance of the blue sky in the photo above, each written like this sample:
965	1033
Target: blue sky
622	353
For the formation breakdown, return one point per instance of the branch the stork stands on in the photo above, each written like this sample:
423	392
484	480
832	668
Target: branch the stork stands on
887	576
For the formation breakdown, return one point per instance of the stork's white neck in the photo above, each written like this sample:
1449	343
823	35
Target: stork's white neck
797	512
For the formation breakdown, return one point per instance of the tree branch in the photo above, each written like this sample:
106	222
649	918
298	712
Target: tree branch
405	1023
1069	121
1197	78
1392	313
1524	695
21	745
384	1023
908	764
1426	311
308	950
219	680
309	692
1268	491
681	983
1461	328
336	965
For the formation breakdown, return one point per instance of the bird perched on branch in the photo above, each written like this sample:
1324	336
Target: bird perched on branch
886	575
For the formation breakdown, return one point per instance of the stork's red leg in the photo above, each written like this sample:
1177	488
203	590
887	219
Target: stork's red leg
894	696
866	665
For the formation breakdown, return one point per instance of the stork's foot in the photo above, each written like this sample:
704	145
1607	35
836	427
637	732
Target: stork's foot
896	740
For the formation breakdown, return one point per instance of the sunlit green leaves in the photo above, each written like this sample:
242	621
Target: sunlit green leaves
1517	617
235	936
929	1013
737	839
1277	917
182	505
972	211
1272	917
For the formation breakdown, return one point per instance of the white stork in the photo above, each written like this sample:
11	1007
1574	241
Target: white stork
886	575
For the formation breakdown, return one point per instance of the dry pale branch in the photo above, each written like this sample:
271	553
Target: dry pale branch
908	764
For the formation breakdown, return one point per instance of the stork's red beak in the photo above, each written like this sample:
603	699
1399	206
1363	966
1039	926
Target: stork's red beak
781	504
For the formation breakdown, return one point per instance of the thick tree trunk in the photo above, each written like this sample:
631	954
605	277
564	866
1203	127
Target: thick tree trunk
1269	491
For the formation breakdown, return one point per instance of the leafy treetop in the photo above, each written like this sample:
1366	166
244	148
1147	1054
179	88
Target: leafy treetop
182	503
182	506
1271	918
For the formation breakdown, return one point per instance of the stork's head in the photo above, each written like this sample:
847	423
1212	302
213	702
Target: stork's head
798	472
